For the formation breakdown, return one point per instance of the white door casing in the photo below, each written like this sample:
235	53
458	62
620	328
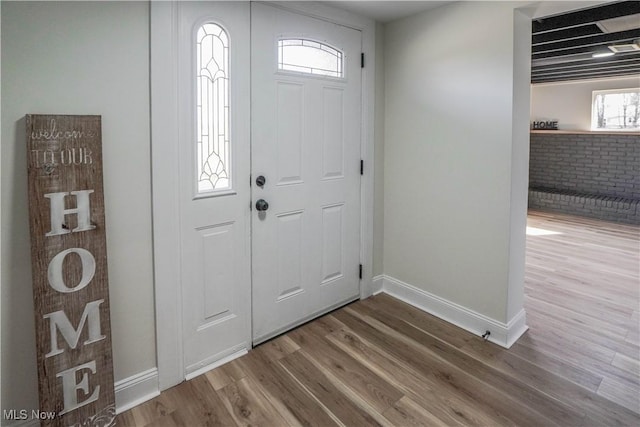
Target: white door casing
306	143
166	165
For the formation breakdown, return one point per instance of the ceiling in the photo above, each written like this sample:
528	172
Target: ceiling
563	45
386	11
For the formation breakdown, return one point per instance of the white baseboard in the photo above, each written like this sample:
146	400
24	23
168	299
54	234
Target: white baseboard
377	283
136	389
516	327
502	334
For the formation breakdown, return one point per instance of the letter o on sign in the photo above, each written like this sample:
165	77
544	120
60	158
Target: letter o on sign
54	273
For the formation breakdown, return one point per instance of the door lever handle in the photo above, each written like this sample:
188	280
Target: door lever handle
262	205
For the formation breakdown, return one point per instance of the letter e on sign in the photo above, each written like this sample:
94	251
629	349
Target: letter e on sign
71	388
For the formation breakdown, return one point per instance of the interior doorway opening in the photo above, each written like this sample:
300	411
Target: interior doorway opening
581	275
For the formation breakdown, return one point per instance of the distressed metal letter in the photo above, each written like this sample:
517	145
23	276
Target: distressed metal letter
58	320
70	387
58	212
54	272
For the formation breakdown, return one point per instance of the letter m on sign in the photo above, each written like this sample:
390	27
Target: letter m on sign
58	321
69	263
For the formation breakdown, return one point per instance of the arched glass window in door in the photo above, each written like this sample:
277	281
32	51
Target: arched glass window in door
309	57
213	150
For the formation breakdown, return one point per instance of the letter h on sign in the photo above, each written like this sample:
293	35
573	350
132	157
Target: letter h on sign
58	212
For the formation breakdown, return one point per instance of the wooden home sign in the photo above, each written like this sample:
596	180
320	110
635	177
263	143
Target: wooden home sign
69	261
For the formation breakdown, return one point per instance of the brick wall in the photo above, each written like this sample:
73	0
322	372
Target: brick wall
596	166
603	165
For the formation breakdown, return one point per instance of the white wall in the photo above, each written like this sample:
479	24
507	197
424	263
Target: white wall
570	102
78	58
450	216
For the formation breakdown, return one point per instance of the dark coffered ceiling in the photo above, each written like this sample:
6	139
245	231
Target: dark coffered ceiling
563	46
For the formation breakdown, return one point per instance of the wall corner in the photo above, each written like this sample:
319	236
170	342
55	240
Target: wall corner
519	164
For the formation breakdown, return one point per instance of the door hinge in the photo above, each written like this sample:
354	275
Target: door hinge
360	273
362	60
361	167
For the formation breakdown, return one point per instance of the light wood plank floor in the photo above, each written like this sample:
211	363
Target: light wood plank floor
582	290
382	362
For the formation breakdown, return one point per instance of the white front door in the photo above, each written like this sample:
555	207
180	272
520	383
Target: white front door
304	90
306	100
213	109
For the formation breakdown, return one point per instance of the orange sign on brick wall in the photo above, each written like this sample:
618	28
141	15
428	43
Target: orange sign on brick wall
69	262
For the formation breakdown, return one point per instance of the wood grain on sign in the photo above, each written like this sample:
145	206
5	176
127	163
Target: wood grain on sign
69	261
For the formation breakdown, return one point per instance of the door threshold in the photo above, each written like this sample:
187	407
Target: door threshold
304	320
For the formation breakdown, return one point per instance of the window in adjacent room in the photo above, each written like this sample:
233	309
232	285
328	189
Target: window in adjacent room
617	110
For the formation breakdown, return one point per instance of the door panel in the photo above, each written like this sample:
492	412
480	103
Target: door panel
332	133
215	245
290	125
289	249
332	243
306	143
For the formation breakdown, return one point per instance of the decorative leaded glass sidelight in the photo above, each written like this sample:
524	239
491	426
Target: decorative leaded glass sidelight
212	109
309	57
